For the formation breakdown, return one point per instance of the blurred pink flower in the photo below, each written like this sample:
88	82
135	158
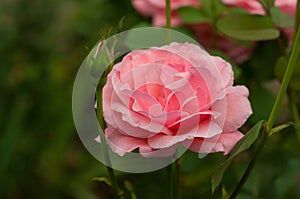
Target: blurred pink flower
203	31
254	7
159	98
156	10
237	52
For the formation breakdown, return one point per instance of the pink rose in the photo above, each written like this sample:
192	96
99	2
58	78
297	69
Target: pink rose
156	9
159	98
254	7
236	52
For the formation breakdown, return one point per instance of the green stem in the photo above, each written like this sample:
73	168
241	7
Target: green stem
174	180
104	145
168	20
168	14
297	19
170	181
286	79
178	179
270	123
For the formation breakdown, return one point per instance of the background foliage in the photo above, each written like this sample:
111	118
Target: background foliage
42	44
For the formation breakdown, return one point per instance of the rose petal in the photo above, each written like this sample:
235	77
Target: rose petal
220	143
238	108
122	144
165	152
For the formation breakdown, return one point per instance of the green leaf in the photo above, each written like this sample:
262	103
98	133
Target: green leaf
280	70
108	182
270	3
129	188
278	129
225	194
235	10
266	4
190	14
248	27
241	146
213	8
217	176
103	179
247	140
281	19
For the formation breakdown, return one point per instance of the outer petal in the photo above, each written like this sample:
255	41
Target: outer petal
238	108
206	130
106	101
225	70
122	144
165	152
227	141
220	143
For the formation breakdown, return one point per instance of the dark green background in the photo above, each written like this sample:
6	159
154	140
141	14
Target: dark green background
42	44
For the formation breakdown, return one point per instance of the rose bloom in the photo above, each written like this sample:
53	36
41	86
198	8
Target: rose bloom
254	7
156	10
162	97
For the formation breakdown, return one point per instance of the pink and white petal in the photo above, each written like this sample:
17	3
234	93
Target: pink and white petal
238	108
159	153
227	141
121	143
106	102
144	102
197	125
152	55
160	141
201	145
225	70
220	143
208	130
133	124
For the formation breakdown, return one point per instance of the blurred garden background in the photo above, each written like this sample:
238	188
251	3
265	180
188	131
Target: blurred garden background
42	45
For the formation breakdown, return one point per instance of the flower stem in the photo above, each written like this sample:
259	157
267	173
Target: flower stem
104	146
168	14
297	19
286	79
170	181
178	179
270	123
168	20
174	180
